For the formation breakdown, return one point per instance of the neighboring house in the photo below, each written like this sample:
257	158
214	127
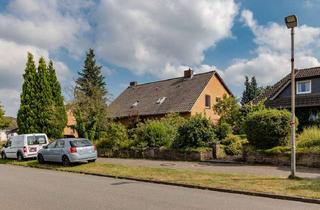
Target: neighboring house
185	95
307	94
9	131
69	131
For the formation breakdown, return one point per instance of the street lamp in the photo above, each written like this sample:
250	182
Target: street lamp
291	22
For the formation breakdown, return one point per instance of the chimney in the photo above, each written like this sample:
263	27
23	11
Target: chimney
134	83
188	74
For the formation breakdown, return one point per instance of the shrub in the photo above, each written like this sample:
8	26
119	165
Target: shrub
172	121
222	130
115	137
268	128
196	132
309	134
152	133
277	150
232	145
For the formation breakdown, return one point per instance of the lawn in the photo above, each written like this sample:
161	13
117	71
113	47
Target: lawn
309	188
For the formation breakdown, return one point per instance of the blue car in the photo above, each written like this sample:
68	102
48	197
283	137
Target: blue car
67	151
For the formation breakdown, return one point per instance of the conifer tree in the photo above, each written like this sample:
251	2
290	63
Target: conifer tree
59	118
45	106
251	90
27	114
90	99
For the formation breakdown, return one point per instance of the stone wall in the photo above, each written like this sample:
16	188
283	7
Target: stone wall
158	154
302	159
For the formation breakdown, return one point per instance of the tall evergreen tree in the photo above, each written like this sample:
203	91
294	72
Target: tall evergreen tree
59	118
90	99
45	106
251	90
27	114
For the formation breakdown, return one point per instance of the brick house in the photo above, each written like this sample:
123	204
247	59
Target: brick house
187	95
307	94
68	131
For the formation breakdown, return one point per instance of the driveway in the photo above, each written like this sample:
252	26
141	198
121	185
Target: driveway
36	189
281	171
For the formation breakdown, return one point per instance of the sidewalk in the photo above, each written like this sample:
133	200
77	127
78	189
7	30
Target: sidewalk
281	171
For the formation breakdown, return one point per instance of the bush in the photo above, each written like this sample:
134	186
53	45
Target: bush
222	130
152	133
277	150
173	121
232	145
308	134
115	138
268	128
196	132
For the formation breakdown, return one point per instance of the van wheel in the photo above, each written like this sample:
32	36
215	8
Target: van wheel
65	161
3	156
19	156
40	159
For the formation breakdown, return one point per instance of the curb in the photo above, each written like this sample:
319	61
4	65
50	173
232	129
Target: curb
250	193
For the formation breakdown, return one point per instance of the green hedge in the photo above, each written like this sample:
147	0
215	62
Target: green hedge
268	128
114	138
196	132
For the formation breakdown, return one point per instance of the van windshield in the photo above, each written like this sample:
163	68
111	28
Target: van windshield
34	140
80	143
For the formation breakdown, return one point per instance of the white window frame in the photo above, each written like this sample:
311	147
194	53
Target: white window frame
303	81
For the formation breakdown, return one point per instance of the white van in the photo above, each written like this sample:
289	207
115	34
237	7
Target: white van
24	146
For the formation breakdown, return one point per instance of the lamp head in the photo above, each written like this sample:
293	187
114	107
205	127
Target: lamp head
291	21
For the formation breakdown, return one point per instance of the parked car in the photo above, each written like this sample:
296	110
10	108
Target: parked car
24	146
67	151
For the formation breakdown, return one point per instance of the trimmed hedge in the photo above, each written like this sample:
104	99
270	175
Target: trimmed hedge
268	128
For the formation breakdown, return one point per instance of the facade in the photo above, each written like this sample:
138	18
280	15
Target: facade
307	94
187	95
69	131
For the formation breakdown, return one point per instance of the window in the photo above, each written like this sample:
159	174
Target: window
304	87
52	144
161	100
80	143
218	99
41	139
208	101
135	104
60	144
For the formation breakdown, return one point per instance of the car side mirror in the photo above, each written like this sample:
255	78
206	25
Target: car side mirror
45	147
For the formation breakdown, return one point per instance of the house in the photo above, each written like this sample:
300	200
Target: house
307	94
69	131
187	95
11	130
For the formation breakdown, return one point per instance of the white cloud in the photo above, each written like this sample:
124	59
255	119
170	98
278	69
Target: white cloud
158	37
44	24
272	60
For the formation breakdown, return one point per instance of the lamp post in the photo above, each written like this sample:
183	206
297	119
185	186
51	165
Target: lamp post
291	22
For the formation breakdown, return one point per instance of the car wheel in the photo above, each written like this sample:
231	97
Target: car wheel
92	161
65	161
19	156
3	156
40	159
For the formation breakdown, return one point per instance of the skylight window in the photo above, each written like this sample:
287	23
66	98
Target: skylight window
135	104
161	100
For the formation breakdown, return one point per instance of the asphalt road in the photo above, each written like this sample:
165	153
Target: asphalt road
28	188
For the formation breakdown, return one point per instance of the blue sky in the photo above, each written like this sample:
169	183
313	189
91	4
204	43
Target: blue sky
143	41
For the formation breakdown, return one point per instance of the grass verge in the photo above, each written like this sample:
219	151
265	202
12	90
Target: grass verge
307	188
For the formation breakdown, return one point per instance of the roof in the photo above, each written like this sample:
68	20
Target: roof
180	96
301	101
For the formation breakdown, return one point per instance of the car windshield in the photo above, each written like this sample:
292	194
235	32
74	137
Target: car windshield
80	143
